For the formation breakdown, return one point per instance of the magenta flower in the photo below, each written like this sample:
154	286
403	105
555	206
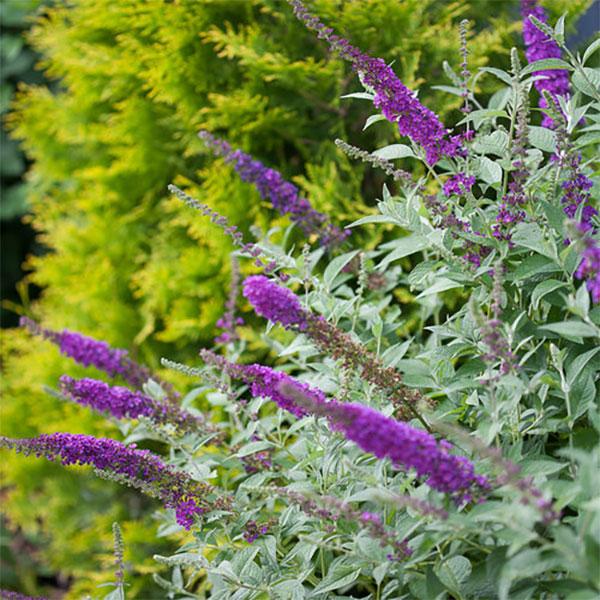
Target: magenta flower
274	302
397	103
539	46
283	195
138	468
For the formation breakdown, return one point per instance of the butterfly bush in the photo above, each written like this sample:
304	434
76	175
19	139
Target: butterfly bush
417	418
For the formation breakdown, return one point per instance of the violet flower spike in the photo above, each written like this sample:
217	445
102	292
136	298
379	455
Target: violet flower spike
10	595
88	351
397	103
121	403
231	230
403	444
280	305
283	195
138	468
274	302
373	432
539	46
589	267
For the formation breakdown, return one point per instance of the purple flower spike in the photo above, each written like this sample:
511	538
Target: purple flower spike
10	595
121	402
283	195
403	444
538	46
373	432
88	352
276	303
589	267
397	103
138	468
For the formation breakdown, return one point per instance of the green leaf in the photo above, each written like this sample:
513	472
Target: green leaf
289	590
371	219
404	247
591	88
338	576
441	285
542	138
502	75
380	571
252	448
373	119
547	64
572	329
494	143
490	171
545	287
559	28
590	50
579	363
394	151
541	466
360	96
533	265
478	116
555	215
335	266
530	235
453	572
455	91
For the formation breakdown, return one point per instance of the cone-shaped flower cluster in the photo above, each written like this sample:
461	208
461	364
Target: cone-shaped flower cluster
539	46
403	444
138	468
281	305
283	195
397	103
373	432
121	402
88	352
274	302
589	267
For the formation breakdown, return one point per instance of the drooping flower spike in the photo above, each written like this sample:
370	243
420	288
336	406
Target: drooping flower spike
88	351
539	46
121	402
10	595
231	230
397	103
589	267
373	432
127	464
283	195
281	305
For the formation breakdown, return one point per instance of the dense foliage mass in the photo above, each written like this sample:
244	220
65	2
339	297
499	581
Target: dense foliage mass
440	369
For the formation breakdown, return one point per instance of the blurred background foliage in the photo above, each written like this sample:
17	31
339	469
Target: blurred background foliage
131	84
